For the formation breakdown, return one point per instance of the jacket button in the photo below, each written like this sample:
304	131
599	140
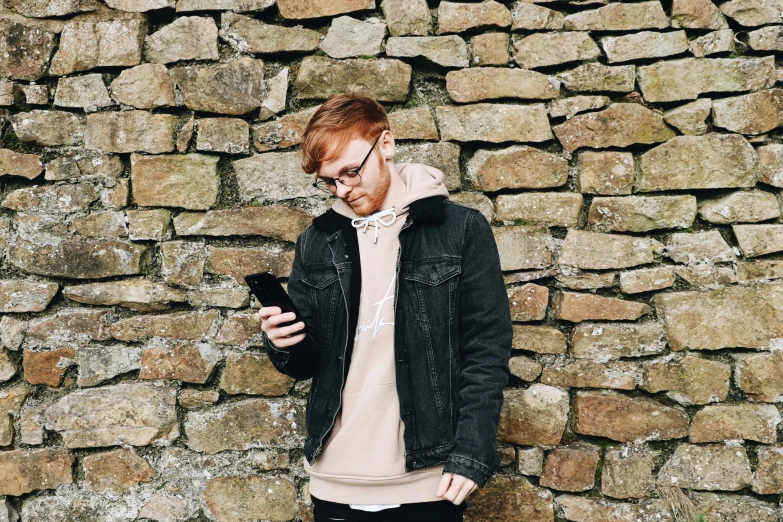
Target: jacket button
414	463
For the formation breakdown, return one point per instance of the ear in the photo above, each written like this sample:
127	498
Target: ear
386	145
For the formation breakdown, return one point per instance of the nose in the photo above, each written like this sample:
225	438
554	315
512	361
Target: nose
341	191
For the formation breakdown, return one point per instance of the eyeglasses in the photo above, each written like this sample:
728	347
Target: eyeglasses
349	178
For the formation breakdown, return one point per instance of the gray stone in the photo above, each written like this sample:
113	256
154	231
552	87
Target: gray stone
25	296
690	118
49	128
233	87
493	122
186	38
602	342
757	240
752	13
385	79
642	214
135	294
699	247
447	51
249	35
766	39
230	135
707	467
298	9
349	37
532	17
483	83
442	155
456	17
570	107
713	43
522	247
130	131
99	363
598	77
86	92
598	251
227	5
49	8
407	17
644	44
748	206
619	17
273	176
86	45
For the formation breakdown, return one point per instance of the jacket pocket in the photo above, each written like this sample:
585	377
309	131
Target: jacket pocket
433	283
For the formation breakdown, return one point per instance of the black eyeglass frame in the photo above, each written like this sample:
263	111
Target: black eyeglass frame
356	171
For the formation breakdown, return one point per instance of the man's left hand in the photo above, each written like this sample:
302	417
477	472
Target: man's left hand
455	488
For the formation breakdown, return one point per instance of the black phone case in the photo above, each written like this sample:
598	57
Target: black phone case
270	292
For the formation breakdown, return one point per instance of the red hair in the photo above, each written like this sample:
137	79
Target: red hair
341	118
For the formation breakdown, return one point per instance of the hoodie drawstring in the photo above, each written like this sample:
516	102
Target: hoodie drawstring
376	219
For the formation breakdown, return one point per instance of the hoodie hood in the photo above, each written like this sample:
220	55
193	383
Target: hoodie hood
421	181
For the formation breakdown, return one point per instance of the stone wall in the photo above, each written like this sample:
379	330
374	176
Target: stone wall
626	154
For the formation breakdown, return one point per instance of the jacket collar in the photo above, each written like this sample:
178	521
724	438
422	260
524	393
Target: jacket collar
426	209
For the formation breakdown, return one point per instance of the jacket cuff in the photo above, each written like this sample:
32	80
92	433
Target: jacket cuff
469	468
277	353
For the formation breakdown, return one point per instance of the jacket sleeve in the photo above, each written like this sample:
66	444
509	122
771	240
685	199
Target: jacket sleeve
485	347
300	360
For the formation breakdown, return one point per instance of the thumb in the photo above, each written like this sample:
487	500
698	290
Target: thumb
443	486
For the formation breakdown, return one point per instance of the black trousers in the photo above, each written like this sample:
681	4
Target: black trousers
438	511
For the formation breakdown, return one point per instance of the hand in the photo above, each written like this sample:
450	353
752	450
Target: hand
280	337
455	488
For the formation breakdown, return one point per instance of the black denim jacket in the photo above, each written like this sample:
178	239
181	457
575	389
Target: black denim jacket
452	333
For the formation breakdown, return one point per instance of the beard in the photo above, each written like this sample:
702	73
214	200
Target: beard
373	200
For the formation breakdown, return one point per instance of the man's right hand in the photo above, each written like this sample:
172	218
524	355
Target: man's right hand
280	337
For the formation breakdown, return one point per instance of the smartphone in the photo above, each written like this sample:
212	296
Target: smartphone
270	292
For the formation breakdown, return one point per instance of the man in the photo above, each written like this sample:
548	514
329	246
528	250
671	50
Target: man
408	329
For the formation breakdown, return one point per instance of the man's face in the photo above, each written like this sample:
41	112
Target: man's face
366	197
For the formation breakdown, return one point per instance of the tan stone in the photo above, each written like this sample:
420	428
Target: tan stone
19	164
456	17
619	17
717	423
557	209
135	414
149	225
190	181
493	122
628	471
707	467
385	79
646	279
299	9
47	8
771	164
191	398
249	35
26	471
578	307
348	37
109	223
751	13
475	200
245	424
47	367
186	38
16	37
510	499
193	325
760	376
587	280
442	155
598	251
532	17
237	499
740	206
184	362
528	302
446	51
570	107
238	262
276	93
71	324
641	213
86	92
232	87
49	128
643	45
130	131
99	363
570	469
618	417
406	17
755	269
482	83
697	14
620	125
536	415
253	374
690	118
413	124
89	44
768	479
116	471
685	79
525	368
230	135
688	380
51	198
515	167
538	339
687	162
278	222
229	5
706	276
490	49
733	317
545	49
581	373
766	39
7	365
26	296
599	77
607	172
699	247
754	113
221	297
523	247
241	329
283	132
590	509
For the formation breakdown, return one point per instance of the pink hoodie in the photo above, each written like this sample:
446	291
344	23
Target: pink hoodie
363	460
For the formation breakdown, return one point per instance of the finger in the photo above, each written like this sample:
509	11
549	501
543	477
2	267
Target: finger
285	342
463	492
456	484
443	485
266	311
285	331
282	318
